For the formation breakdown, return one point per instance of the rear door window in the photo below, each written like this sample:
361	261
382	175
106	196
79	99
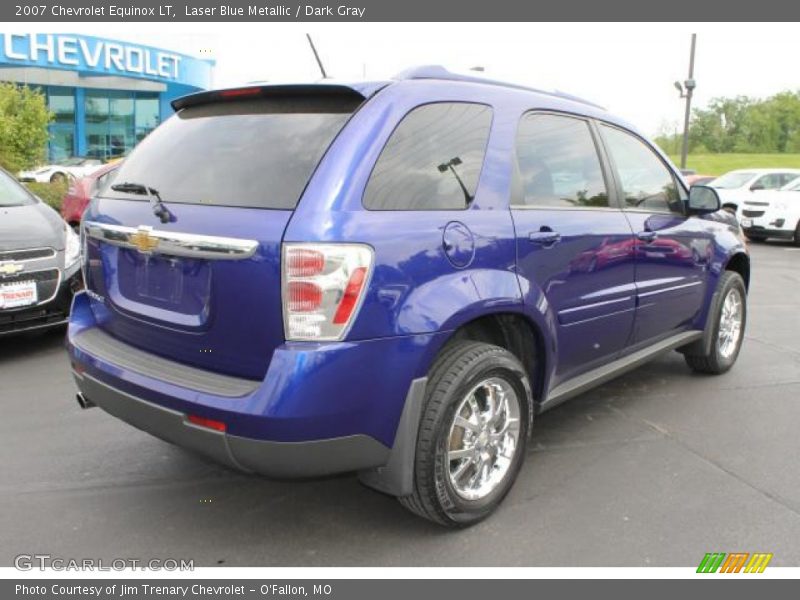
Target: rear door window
249	153
558	164
432	160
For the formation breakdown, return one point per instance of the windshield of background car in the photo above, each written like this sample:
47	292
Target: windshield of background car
792	186
248	153
12	193
731	180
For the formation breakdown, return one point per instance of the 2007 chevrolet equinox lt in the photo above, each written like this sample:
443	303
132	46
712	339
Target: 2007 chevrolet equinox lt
392	278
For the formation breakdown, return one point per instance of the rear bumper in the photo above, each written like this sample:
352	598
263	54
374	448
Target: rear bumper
321	408
274	459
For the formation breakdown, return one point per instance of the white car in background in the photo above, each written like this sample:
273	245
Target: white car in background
70	168
735	187
772	214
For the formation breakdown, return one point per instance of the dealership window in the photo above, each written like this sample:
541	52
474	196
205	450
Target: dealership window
147	114
117	120
61	102
120	124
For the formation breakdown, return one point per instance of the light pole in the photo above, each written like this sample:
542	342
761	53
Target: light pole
686	91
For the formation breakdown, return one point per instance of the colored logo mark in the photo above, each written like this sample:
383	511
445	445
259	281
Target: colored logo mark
735	562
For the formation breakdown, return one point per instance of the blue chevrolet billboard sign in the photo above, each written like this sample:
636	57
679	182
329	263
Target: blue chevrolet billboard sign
100	56
105	95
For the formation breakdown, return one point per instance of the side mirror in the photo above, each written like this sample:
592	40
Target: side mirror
703	200
756	187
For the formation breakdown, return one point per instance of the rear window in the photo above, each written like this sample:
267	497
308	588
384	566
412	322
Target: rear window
255	153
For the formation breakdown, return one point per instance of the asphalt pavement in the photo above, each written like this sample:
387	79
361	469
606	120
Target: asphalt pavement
655	468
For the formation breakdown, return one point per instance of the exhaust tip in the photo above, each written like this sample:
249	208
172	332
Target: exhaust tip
84	402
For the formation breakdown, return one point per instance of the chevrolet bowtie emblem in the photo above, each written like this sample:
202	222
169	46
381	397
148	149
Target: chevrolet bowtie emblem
10	268
143	241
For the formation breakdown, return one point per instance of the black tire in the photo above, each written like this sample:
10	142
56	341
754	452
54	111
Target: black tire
755	238
796	239
715	362
459	368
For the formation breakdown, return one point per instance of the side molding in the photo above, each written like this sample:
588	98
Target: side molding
600	375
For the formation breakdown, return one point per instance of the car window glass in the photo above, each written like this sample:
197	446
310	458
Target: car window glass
765	182
786	178
12	193
646	182
247	153
432	160
558	163
731	180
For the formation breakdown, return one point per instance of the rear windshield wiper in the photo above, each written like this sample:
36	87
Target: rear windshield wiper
156	203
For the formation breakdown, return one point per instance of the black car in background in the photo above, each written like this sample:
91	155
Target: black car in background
39	261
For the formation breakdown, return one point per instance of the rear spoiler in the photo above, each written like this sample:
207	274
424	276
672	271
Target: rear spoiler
359	93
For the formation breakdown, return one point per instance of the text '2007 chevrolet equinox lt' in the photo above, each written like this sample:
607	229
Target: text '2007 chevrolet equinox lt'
392	278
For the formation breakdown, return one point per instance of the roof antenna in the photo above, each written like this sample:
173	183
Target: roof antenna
319	62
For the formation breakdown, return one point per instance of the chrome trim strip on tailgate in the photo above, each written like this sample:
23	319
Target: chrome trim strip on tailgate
99	344
151	241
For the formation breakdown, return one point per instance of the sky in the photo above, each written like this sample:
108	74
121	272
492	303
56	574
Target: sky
630	69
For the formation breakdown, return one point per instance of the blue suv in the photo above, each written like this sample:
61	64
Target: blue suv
392	278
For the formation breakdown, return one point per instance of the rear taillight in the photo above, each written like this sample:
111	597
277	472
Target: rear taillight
323	287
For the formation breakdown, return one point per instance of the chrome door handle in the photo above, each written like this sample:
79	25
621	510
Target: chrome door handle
545	238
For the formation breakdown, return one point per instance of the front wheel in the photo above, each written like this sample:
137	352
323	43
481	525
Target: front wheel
730	318
472	435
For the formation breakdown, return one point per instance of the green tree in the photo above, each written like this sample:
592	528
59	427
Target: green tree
23	127
748	125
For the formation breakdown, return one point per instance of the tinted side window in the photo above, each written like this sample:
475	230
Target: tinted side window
558	163
646	182
432	160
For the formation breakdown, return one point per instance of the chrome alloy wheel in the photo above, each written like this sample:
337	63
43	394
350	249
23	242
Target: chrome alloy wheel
483	438
730	323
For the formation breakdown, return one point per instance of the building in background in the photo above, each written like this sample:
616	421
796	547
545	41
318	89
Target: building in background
106	95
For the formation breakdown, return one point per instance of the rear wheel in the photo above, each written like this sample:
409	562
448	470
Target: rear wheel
755	238
730	318
472	435
796	239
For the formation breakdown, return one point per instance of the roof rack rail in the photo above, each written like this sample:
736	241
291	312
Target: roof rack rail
439	72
